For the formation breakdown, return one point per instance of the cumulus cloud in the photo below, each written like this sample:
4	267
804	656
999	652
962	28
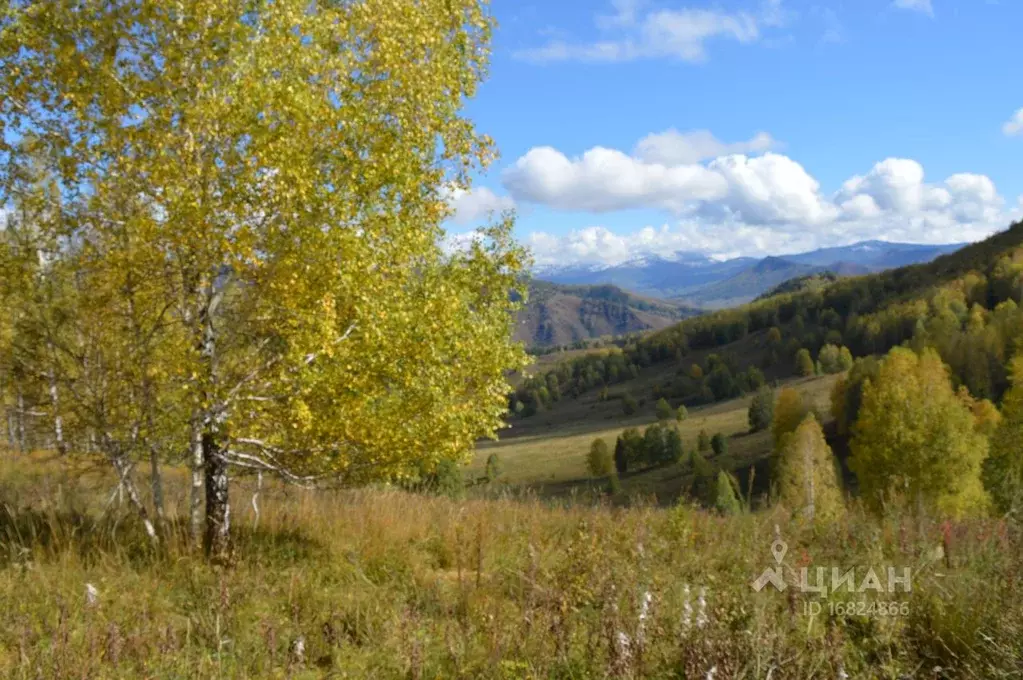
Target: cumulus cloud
672	147
1014	126
603	180
748	204
661	33
923	6
472	206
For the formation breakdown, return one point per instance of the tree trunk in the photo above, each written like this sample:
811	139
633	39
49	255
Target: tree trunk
58	420
22	446
12	439
811	495
218	509
127	484
157	483
195	501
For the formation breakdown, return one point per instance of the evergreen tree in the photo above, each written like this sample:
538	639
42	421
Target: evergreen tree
681	414
719	444
726	500
621	457
915	440
761	410
599	460
1003	470
704	487
675	451
807	480
654	449
633	446
703	442
663	409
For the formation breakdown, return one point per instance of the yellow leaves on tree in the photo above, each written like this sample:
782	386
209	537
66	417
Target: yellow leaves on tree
915	441
789	412
807	479
1003	470
274	175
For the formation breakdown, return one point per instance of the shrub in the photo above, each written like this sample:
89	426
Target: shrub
448	479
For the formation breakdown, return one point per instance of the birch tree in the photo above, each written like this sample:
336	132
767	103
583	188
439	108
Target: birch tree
276	173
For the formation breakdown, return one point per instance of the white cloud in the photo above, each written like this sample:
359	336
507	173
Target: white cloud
475	205
896	184
604	179
676	148
771	189
661	33
1014	126
752	205
923	6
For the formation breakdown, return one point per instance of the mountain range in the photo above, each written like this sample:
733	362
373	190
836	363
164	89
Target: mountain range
701	281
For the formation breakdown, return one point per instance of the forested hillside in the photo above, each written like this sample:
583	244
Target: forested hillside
566	315
965	304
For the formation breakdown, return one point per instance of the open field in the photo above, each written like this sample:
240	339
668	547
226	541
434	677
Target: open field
552	458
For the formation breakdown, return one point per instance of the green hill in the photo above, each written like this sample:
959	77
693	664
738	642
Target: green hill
965	305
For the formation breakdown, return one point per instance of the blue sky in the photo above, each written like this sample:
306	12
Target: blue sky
635	126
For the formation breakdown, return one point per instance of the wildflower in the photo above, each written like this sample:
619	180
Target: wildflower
298	650
701	602
644	612
91	595
687	609
624	644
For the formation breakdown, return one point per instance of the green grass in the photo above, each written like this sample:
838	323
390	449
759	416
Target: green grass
384	584
552	458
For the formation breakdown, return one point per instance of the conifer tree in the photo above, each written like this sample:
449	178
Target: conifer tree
726	499
761	410
599	461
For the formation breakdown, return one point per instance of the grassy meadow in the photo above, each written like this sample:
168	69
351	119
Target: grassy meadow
504	583
548	452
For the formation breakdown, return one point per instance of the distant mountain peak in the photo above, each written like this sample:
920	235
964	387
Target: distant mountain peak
772	263
697	277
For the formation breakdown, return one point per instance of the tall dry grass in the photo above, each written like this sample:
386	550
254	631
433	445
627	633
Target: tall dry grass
384	584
